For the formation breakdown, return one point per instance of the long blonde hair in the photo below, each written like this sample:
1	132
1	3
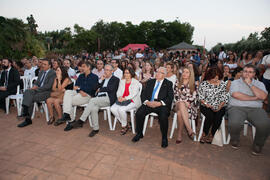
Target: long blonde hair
191	81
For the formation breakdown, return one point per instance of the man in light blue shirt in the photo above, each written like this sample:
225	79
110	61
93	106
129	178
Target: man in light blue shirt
247	95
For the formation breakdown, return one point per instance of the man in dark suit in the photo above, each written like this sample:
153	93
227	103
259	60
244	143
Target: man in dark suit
10	79
157	97
106	96
39	92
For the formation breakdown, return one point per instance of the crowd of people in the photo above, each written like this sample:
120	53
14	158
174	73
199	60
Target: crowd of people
189	83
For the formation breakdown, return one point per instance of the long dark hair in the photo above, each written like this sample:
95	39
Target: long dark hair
64	73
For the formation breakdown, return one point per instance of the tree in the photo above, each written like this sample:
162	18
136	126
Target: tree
32	24
16	40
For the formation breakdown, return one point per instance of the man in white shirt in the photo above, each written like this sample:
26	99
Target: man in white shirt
71	72
116	71
99	70
139	54
29	69
222	55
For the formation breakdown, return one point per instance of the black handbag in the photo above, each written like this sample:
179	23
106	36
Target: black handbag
123	103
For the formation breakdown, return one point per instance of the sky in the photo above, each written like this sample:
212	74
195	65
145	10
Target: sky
224	21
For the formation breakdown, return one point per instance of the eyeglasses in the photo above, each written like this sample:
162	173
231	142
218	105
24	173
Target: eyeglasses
160	72
248	72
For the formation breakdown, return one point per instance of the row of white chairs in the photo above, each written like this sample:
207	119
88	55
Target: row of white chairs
28	83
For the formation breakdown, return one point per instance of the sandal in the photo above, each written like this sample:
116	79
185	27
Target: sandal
124	130
51	120
192	135
209	139
203	138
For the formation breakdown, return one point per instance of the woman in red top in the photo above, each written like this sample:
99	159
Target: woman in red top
128	97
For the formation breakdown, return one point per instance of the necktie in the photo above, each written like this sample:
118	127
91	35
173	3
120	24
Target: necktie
6	78
155	90
42	79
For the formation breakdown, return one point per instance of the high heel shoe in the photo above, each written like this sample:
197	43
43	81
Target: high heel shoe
178	141
51	120
192	135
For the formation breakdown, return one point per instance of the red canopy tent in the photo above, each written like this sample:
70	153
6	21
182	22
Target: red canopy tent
135	46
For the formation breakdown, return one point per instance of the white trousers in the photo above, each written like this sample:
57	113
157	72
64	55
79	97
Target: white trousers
120	112
72	98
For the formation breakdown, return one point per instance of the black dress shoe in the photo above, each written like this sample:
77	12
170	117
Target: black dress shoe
164	143
137	137
77	124
256	150
93	133
25	123
22	116
68	127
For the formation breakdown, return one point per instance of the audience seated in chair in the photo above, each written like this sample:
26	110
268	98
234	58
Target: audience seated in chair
157	97
39	92
106	96
247	96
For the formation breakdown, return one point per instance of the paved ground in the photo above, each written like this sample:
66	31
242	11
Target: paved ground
47	152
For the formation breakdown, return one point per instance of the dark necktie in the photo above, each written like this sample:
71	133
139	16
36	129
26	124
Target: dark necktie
42	79
6	78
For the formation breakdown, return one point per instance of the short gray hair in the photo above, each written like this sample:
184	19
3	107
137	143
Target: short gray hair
165	70
109	66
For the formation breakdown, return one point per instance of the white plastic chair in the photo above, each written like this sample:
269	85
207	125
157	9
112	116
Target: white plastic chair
222	128
246	124
106	111
174	126
132	115
18	97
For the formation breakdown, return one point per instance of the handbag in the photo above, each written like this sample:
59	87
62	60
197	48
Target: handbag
217	140
123	103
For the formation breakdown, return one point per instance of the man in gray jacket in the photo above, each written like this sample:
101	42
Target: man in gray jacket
39	92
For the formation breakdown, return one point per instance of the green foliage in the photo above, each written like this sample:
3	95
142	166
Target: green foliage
17	41
253	43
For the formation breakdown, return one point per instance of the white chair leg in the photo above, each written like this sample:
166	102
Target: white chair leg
90	121
104	115
201	129
46	111
253	131
114	123
174	124
34	110
7	104
228	139
151	121
74	112
145	123
223	131
109	119
18	106
132	121
245	128
194	129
